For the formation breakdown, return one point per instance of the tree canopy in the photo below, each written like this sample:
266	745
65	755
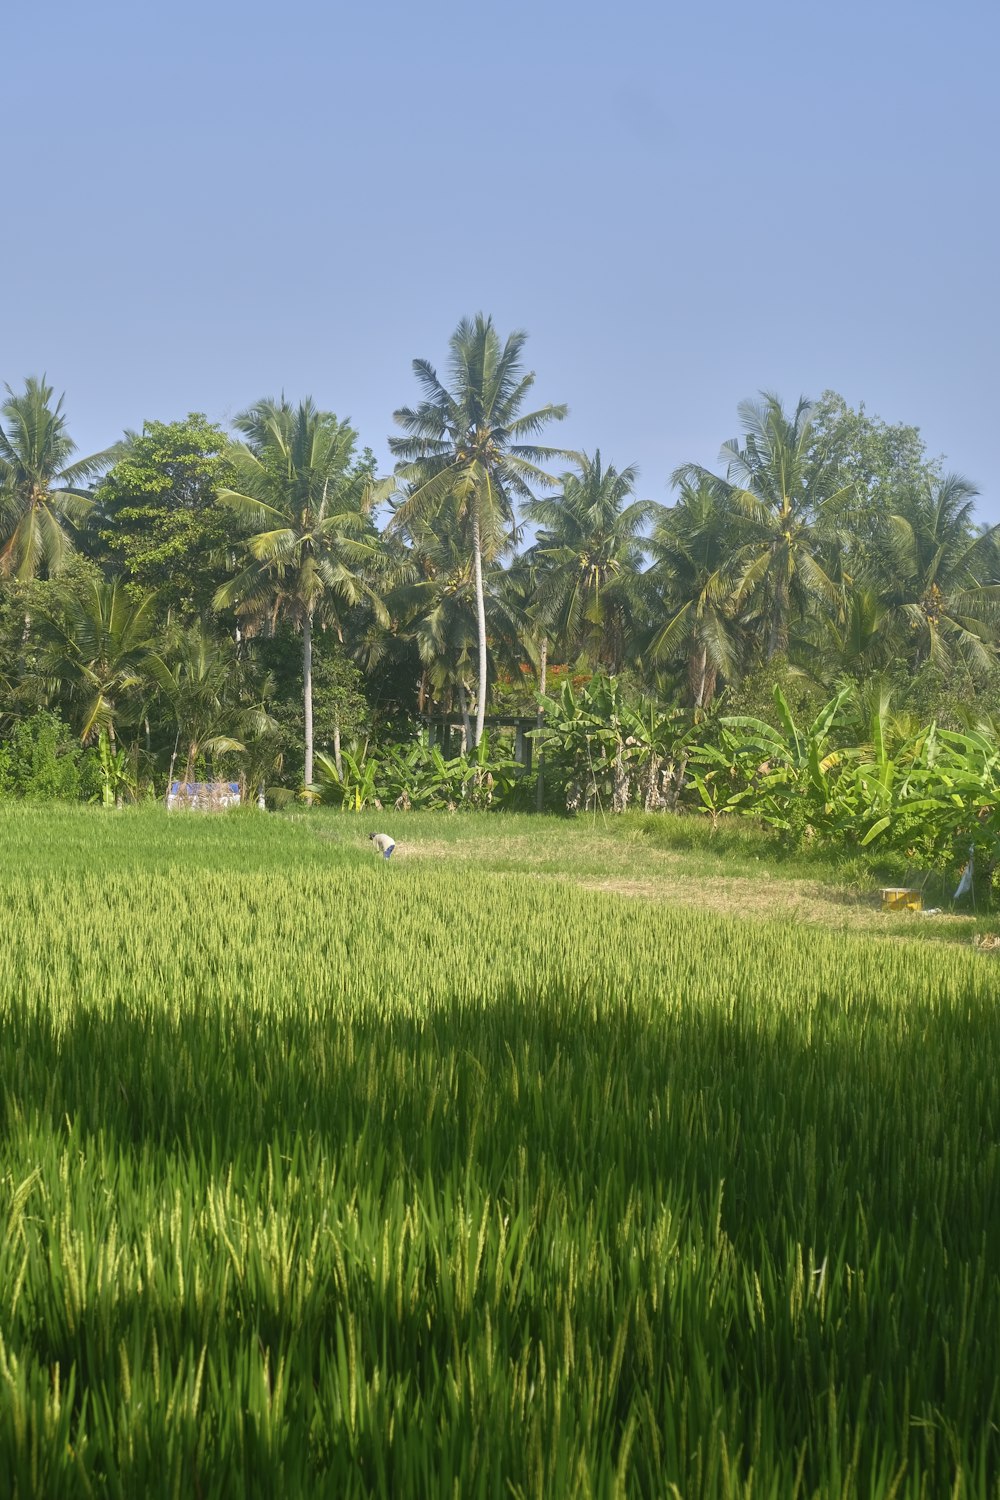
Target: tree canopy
217	590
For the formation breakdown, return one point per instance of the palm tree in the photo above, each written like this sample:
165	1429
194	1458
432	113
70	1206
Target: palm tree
437	607
939	576
858	641
589	557
788	494
99	642
40	489
692	577
198	676
315	548
472	445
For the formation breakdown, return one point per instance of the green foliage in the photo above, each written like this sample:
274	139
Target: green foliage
881	460
42	493
115	773
417	776
158	514
312	550
587	561
605	750
97	650
475	448
41	759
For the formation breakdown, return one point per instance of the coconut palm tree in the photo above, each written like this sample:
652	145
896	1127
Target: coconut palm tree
99	640
787	492
198	677
694	585
860	639
939	576
473	444
589	555
314	551
41	491
437	607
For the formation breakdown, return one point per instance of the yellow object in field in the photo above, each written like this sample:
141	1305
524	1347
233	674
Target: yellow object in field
900	898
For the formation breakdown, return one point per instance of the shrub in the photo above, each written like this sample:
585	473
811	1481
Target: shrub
41	760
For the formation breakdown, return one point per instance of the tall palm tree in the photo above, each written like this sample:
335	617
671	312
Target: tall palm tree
437	607
97	650
40	489
589	556
693	583
788	493
315	549
473	444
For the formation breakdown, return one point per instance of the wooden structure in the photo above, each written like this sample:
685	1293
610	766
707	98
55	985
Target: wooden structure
445	729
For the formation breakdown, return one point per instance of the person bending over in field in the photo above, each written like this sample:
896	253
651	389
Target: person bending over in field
383	843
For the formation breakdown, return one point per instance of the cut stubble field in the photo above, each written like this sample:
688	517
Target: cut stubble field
545	1159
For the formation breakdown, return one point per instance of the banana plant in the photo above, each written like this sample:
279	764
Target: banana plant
115	772
784	775
353	788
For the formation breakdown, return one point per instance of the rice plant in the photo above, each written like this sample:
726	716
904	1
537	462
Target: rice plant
320	1176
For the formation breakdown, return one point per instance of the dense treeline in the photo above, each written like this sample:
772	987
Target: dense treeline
193	602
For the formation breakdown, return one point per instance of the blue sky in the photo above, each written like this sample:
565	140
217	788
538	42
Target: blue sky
681	204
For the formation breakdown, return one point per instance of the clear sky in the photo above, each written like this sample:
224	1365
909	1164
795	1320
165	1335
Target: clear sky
681	203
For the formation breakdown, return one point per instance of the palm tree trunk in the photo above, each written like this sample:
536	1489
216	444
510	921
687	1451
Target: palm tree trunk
463	702
336	748
477	550
777	639
699	671
539	721
307	693
170	773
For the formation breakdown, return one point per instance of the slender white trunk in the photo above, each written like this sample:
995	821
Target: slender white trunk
540	720
170	773
307	693
477	548
700	700
463	703
336	749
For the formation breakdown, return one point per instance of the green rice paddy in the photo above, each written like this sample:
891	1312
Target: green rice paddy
326	1177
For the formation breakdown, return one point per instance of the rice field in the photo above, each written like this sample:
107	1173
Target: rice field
326	1177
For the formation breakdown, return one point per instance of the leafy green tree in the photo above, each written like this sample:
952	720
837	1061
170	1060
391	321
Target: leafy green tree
41	491
880	460
473	444
589	555
158	515
313	551
41	759
789	495
340	703
97	651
